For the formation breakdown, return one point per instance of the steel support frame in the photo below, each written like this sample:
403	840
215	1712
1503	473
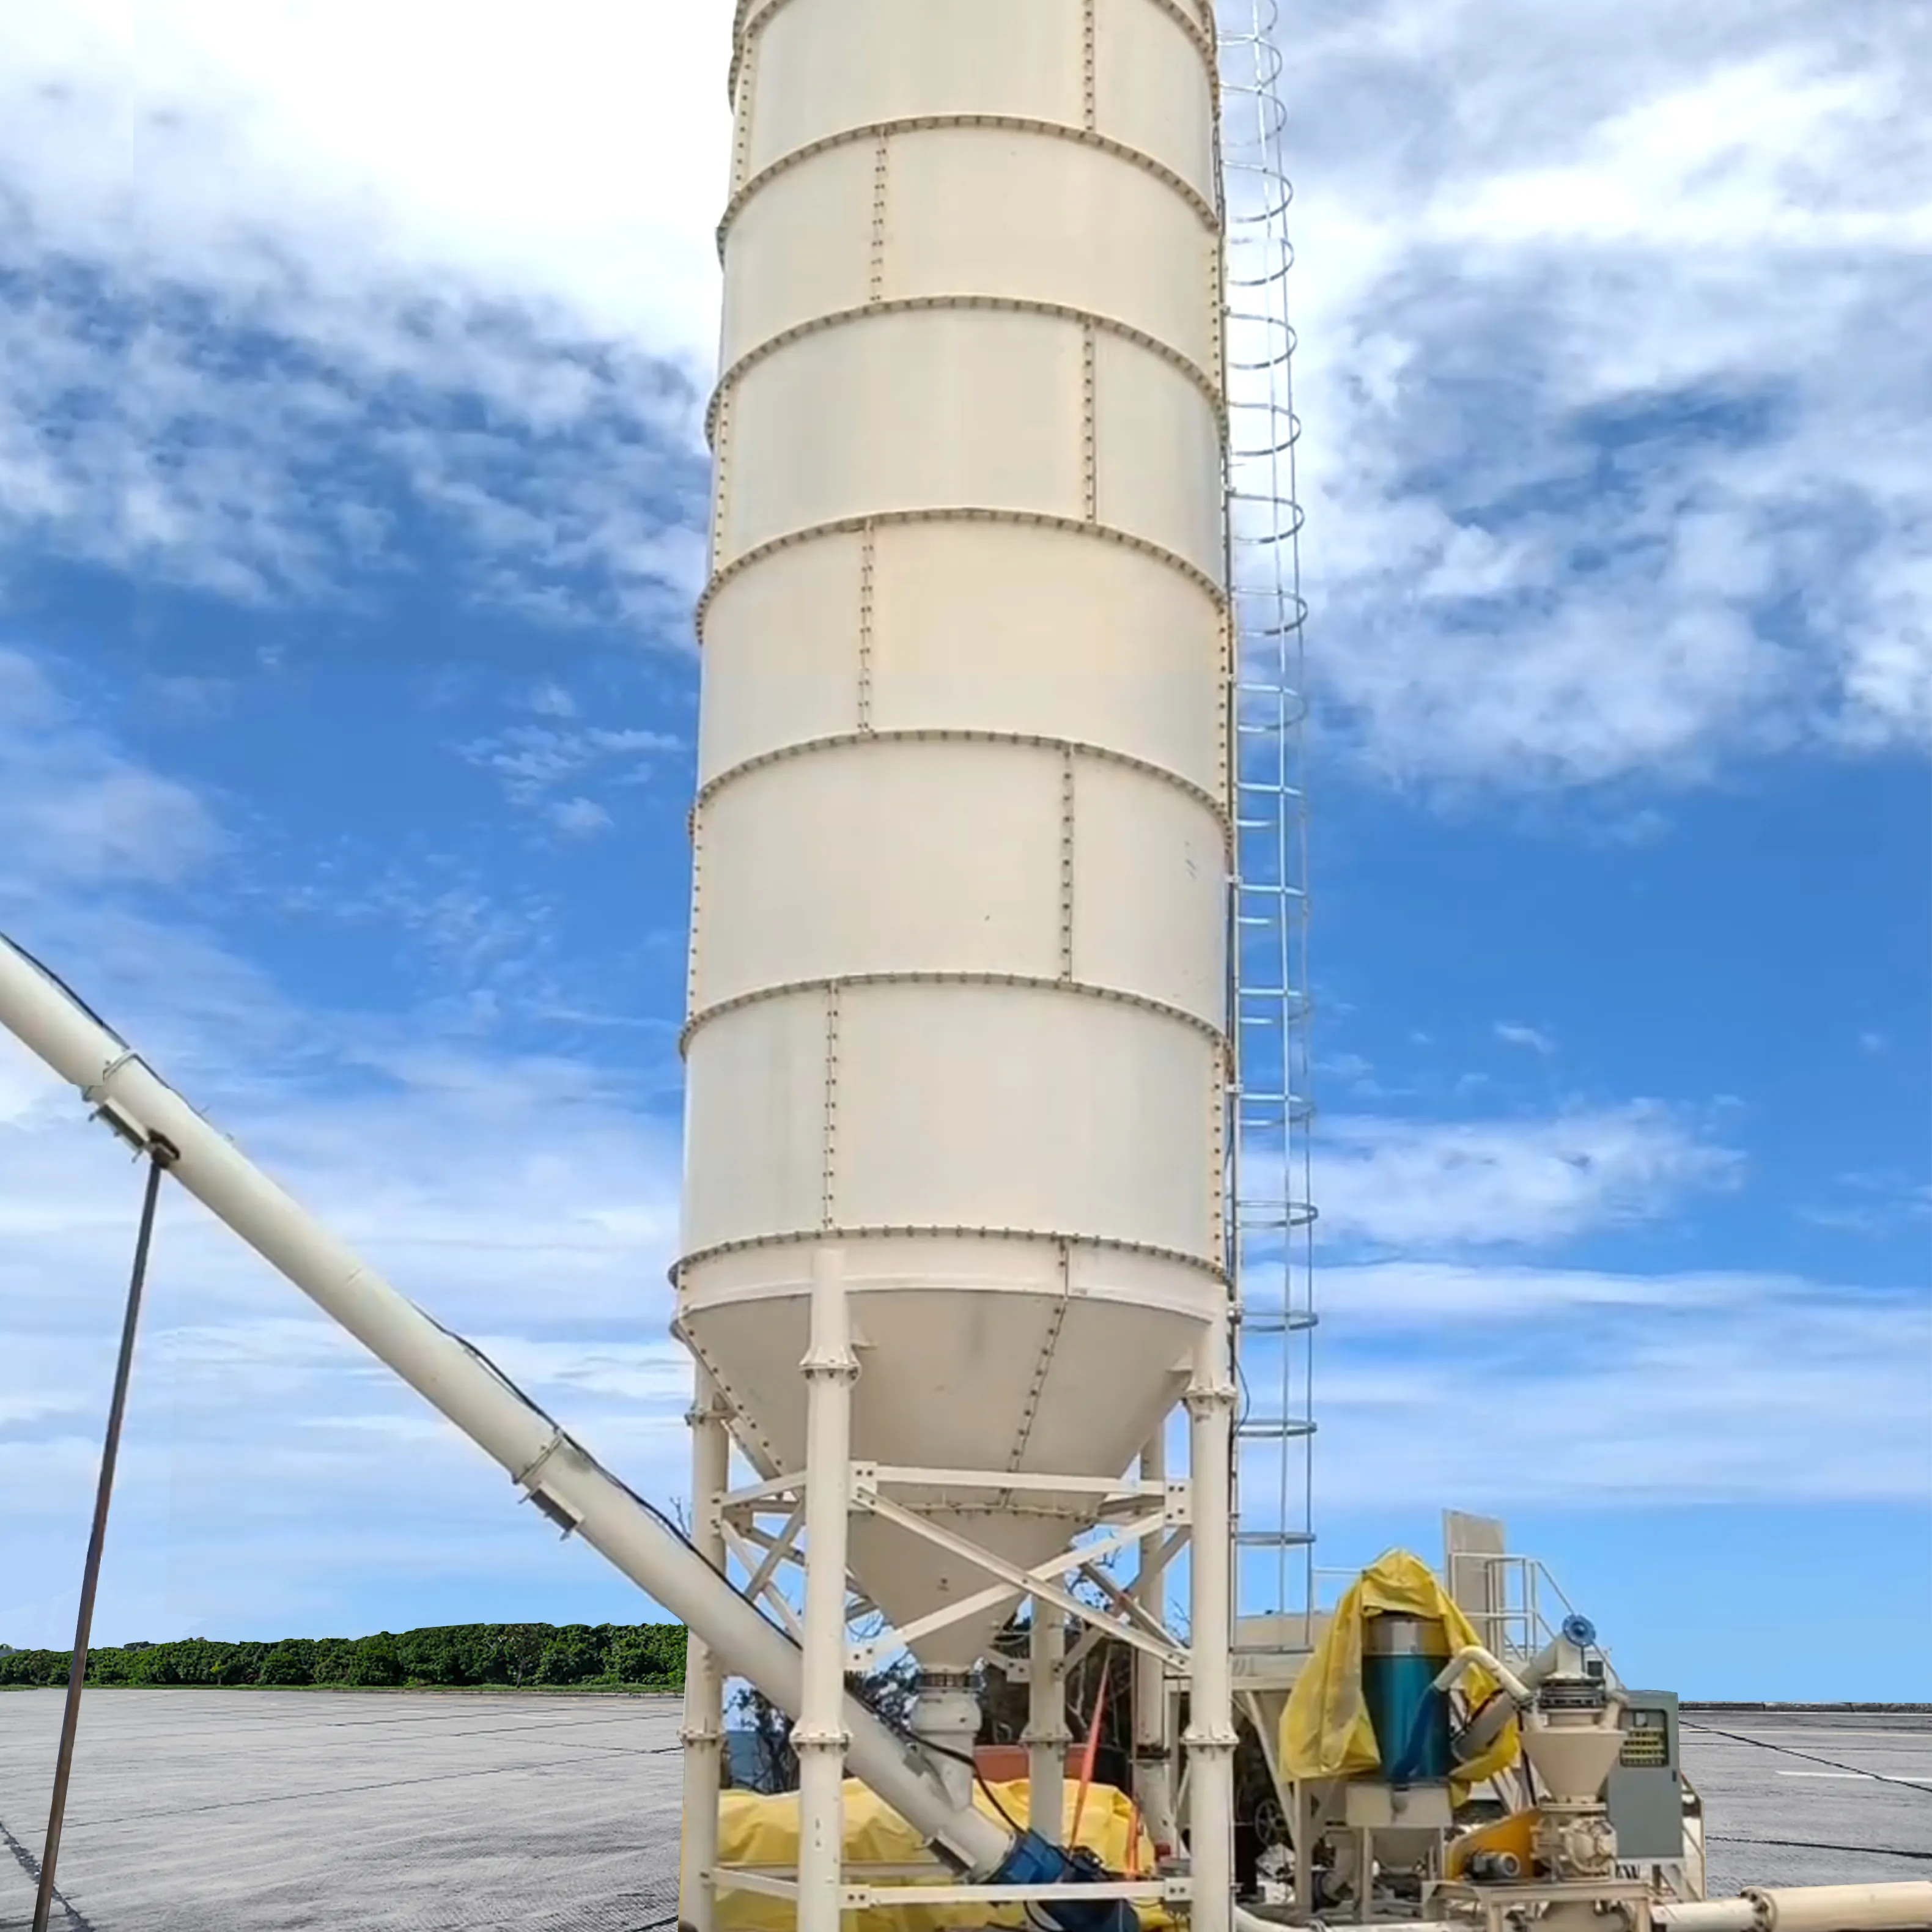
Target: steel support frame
1046	1736
1153	1511
771	1884
1154	1717
819	1738
1210	1738
866	1484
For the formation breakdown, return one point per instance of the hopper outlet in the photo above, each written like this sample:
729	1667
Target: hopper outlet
1573	1757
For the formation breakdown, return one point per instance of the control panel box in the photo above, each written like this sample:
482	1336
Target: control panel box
1645	1792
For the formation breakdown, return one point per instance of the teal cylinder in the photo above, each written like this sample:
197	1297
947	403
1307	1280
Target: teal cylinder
1401	1657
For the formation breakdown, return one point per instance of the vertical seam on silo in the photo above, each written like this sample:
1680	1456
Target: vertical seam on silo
881	160
721	479
1089	101
1223	1095
828	1195
1066	863
1227	738
869	550
745	81
694	825
1042	1367
741	148
1090	454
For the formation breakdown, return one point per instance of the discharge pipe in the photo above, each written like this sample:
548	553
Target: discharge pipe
1474	1657
555	1472
1902	1907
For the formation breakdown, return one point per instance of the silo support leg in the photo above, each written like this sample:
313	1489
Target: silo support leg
1046	1733
1153	1786
703	1733
1210	1739
819	1737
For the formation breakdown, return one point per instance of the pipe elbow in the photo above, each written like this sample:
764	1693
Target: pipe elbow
1474	1657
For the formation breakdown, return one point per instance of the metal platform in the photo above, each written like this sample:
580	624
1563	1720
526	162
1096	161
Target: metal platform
260	1811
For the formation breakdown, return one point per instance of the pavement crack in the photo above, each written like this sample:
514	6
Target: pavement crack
25	1860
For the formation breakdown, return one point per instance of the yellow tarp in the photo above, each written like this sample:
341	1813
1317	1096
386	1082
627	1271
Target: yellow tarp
759	1831
1325	1730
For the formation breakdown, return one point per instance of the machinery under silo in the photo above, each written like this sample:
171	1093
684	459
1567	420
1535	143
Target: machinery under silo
996	1120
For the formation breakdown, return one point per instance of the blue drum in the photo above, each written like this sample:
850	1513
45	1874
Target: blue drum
1402	1657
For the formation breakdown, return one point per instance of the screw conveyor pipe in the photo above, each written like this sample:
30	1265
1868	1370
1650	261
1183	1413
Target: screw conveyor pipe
557	1474
1905	1905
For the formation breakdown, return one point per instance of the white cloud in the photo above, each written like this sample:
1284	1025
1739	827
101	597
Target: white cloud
72	808
1609	381
529	1199
580	817
1512	1033
1423	1186
1886	1202
531	760
1610	452
523	1205
284	274
552	768
580	157
1516	1387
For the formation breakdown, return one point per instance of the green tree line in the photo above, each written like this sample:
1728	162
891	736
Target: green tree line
648	1656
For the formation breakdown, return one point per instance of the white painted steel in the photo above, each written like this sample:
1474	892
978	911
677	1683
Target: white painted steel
552	1469
1211	1736
1810	1908
958	978
1046	1737
1844	1908
702	1734
1153	1740
1714	1915
819	1737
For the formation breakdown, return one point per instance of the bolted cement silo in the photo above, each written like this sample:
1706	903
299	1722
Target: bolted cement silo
958	973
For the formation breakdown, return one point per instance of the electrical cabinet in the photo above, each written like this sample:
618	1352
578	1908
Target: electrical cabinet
1645	1792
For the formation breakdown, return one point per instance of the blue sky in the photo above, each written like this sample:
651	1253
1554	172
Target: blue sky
351	495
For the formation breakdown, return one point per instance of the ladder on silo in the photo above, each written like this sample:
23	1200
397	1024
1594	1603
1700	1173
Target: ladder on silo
1270	1213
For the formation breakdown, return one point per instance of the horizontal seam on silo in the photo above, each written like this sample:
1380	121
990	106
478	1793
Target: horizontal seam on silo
957	513
752	17
840	318
890	1231
1018	123
939	734
829	984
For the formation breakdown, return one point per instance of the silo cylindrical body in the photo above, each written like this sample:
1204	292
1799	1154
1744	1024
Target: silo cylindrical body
958	975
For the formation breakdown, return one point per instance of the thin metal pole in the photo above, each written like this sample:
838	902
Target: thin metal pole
117	1409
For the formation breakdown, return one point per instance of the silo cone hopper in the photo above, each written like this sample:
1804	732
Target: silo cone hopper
980	1376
